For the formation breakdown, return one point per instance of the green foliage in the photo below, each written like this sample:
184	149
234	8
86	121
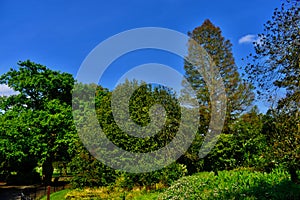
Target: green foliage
15	143
88	171
143	98
241	184
191	159
37	125
224	155
275	66
141	101
250	142
165	176
282	128
243	148
238	92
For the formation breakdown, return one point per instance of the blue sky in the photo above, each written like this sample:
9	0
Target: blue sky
60	34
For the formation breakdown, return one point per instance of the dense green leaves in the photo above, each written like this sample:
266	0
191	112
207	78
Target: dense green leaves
238	184
36	124
244	147
144	97
15	144
90	172
283	130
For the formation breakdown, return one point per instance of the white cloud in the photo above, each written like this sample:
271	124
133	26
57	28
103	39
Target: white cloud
248	39
6	91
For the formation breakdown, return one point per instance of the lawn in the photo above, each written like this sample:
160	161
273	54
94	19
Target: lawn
60	195
101	193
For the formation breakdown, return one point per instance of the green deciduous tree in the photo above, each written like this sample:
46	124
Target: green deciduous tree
15	145
243	147
87	171
140	105
282	127
276	66
37	121
249	140
144	97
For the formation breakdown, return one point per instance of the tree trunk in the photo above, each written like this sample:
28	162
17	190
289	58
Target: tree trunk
47	171
294	176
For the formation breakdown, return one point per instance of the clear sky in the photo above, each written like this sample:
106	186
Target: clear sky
61	33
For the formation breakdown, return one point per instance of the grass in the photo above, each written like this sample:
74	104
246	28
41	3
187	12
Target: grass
107	193
60	195
148	196
102	193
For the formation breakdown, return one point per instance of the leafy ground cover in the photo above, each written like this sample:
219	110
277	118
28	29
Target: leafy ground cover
241	184
235	184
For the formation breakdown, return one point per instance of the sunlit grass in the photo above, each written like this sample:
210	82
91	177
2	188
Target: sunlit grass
60	195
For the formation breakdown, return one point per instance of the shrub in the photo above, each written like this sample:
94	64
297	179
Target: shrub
87	171
242	184
165	176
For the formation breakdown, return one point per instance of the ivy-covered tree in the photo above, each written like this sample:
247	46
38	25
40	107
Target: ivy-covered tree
275	66
37	121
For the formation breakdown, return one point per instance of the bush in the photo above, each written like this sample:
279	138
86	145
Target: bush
87	171
165	176
242	184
